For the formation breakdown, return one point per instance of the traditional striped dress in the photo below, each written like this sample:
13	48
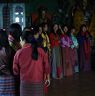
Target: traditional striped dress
56	66
31	89
31	71
7	85
66	55
74	56
7	81
84	51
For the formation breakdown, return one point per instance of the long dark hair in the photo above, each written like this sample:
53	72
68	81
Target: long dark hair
67	28
15	30
81	27
80	32
3	39
70	30
52	30
5	44
28	36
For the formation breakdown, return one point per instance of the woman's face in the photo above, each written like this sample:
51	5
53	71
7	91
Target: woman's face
73	31
55	27
22	42
65	29
36	36
45	29
84	29
40	30
43	13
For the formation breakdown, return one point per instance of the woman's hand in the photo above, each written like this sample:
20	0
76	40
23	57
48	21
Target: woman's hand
47	82
60	27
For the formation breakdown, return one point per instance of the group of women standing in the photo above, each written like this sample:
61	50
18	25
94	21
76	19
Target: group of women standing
28	57
70	53
24	67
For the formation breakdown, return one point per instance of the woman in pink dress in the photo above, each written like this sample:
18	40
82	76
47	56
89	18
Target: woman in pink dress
66	53
31	63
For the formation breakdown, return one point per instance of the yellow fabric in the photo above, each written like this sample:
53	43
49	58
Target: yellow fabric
78	19
92	25
46	41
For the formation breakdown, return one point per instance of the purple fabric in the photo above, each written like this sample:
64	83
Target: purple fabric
66	41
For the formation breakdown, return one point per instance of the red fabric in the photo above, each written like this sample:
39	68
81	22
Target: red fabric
87	48
45	89
54	40
62	35
59	71
30	70
86	44
35	16
68	64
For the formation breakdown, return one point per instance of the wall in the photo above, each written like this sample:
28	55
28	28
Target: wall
32	5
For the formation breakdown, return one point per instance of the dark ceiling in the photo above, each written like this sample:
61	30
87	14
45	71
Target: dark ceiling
14	1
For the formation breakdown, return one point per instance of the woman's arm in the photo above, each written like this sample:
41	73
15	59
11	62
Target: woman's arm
16	69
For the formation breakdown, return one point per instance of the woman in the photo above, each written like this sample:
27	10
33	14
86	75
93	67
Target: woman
7	82
37	35
14	34
74	47
31	63
56	65
42	17
46	41
84	38
66	53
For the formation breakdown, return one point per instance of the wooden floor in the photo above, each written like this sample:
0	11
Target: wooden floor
82	84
